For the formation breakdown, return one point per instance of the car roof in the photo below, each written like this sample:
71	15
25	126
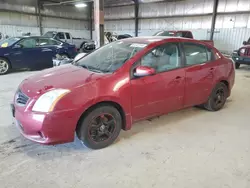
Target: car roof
151	39
24	37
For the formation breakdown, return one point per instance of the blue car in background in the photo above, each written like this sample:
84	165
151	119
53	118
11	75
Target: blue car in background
32	52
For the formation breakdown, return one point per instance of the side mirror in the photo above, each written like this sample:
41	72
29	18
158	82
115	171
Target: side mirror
245	43
17	46
142	71
79	56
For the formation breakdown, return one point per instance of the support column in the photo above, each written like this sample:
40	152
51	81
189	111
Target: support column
136	17
91	19
99	22
39	16
215	7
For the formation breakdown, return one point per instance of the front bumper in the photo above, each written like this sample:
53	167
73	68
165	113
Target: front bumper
45	128
241	60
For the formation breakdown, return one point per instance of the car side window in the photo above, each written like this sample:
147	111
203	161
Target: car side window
43	42
163	58
195	54
54	42
67	35
60	36
189	35
28	43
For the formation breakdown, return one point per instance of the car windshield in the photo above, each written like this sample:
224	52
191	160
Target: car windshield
50	34
110	57
8	42
164	33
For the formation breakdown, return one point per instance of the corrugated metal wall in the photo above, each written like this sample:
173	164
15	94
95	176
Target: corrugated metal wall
231	29
13	23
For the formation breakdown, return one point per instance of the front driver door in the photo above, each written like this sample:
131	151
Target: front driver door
163	92
28	54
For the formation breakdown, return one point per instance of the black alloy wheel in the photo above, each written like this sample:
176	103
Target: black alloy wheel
102	127
217	98
99	127
237	65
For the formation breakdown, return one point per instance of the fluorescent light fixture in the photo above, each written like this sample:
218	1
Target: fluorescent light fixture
80	5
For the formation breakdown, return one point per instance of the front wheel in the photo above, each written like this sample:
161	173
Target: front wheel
4	66
100	127
237	65
217	98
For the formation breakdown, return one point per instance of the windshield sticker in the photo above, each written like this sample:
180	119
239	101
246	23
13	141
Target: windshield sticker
138	45
4	45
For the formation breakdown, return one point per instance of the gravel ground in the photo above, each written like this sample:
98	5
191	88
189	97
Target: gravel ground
191	148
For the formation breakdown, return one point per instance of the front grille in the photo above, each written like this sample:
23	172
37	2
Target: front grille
21	99
247	52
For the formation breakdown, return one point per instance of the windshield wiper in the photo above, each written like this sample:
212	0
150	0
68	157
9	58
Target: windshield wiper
93	69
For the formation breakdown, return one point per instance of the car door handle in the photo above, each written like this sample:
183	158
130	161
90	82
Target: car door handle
177	78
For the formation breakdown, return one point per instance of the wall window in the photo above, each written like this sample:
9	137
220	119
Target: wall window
196	54
163	58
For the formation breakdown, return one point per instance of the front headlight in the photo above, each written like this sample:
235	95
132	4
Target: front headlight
47	101
243	50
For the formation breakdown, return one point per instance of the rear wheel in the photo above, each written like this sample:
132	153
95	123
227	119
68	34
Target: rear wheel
4	66
100	127
218	98
237	65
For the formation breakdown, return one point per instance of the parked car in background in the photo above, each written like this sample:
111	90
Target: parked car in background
68	38
118	84
123	36
246	42
31	52
241	56
185	34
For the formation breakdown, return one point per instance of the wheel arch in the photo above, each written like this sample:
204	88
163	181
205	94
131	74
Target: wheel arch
227	85
7	59
103	103
82	44
225	82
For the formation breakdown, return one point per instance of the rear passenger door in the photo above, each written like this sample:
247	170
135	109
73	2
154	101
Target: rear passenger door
48	51
200	73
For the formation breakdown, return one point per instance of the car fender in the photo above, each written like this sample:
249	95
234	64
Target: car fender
109	99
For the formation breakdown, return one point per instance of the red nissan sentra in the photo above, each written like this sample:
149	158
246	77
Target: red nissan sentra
119	84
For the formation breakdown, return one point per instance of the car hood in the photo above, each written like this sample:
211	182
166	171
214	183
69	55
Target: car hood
63	77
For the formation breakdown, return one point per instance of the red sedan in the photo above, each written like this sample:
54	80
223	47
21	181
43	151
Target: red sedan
119	84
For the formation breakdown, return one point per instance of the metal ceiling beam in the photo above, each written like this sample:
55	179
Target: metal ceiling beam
90	5
39	16
59	3
136	17
215	7
43	15
179	16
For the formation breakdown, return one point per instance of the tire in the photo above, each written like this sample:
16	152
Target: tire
100	127
64	55
237	65
217	98
5	66
81	46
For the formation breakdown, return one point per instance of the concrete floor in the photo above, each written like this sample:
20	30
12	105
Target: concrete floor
192	148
